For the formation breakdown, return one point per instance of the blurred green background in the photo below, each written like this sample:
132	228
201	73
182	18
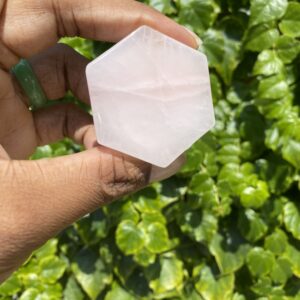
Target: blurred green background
228	225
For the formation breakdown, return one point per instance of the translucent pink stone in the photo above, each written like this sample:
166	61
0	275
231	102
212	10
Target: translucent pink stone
150	96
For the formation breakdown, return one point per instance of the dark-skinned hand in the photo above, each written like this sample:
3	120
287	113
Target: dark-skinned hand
40	198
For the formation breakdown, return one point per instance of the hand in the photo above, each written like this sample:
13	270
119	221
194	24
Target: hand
40	198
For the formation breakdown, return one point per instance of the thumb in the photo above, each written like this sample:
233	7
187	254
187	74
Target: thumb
58	191
40	198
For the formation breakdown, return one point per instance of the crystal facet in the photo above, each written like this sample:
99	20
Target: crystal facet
150	96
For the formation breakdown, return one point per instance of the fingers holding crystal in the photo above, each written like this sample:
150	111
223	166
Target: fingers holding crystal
108	20
64	120
60	69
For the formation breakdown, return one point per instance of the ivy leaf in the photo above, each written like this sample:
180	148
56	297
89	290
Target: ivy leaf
293	255
222	52
165	275
129	237
259	261
292	219
93	228
263	11
212	289
290	24
47	249
276	242
274	87
282	271
203	185
290	153
288	48
30	294
157	237
147	201
144	257
72	290
251	226
118	293
198	15
52	268
261	37
255	197
200	225
91	273
276	172
228	262
11	286
268	63
164	6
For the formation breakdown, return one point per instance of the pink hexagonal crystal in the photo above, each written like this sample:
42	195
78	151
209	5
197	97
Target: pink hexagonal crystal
150	96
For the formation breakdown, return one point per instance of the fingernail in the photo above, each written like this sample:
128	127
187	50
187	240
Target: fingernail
195	36
158	174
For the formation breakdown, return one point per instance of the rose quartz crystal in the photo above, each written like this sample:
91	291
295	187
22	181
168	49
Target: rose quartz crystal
150	96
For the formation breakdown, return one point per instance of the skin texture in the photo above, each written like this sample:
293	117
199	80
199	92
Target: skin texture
40	198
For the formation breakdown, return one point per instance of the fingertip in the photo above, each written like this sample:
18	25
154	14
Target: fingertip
197	42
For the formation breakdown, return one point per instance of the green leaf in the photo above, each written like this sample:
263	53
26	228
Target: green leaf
228	262
222	51
268	63
11	286
129	237
292	219
255	197
216	87
288	48
290	24
149	218
164	6
30	294
276	242
261	37
147	201
118	293
91	273
200	225
144	257
290	153
72	290
282	271
82	46
251	226
276	172
274	87
51	292
212	289
165	275
52	268
198	15
47	249
259	261
157	238
93	228
203	185
263	11
293	255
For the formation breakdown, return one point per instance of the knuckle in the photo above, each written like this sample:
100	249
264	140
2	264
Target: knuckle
122	175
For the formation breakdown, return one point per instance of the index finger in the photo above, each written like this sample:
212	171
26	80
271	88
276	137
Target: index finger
28	27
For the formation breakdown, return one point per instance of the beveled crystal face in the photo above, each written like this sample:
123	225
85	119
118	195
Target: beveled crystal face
150	96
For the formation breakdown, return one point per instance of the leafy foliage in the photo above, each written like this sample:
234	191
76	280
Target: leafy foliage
228	225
